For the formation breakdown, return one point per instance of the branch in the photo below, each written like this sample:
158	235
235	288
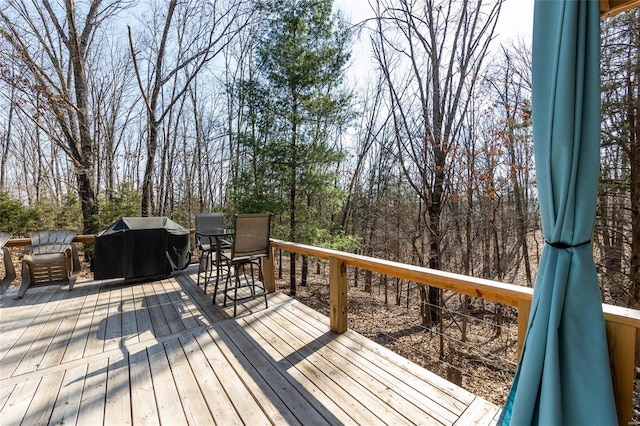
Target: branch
137	71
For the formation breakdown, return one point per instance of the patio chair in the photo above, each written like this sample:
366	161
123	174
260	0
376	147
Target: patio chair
51	258
250	244
209	234
9	270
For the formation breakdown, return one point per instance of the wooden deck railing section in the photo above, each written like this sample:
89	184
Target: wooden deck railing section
622	324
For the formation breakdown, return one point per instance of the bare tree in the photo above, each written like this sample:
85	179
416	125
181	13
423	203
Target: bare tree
51	47
431	53
114	106
618	229
514	106
5	139
193	33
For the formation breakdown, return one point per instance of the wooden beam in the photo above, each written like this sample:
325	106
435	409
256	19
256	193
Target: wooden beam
610	8
268	271
621	340
524	310
337	295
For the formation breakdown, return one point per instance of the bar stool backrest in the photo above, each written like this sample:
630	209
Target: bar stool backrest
251	235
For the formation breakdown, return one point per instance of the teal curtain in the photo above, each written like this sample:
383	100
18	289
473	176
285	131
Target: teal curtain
564	376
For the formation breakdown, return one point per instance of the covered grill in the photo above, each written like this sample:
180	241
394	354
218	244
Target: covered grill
140	247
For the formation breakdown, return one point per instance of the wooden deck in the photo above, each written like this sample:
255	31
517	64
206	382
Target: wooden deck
161	353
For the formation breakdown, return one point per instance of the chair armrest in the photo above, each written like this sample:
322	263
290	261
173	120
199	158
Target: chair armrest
75	260
202	239
9	269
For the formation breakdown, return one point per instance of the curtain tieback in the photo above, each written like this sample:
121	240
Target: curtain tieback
567	246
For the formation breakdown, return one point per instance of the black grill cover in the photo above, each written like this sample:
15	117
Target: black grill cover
139	247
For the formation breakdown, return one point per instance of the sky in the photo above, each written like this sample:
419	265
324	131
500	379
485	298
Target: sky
515	21
516	16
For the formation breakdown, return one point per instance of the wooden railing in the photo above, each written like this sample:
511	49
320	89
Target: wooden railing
23	242
622	324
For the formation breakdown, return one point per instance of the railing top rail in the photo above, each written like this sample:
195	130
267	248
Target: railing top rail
509	294
23	242
84	238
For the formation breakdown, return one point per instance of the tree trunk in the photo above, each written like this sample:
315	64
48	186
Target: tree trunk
520	213
435	235
368	278
147	180
5	141
293	187
88	203
633	109
292	273
466	301
304	273
634	160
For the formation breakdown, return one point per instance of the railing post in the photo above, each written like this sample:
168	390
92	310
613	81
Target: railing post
621	339
337	295
524	309
268	271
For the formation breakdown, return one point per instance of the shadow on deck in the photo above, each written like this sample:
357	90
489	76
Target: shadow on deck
109	352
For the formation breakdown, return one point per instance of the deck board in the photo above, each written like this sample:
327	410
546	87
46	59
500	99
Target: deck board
118	401
42	403
235	387
21	353
361	384
18	319
259	386
164	387
58	347
143	403
443	392
93	394
212	389
288	399
67	404
315	386
76	345
110	328
18	402
111	352
331	411
5	393
144	325
354	396
354	349
158	323
95	326
193	401
129	321
171	316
